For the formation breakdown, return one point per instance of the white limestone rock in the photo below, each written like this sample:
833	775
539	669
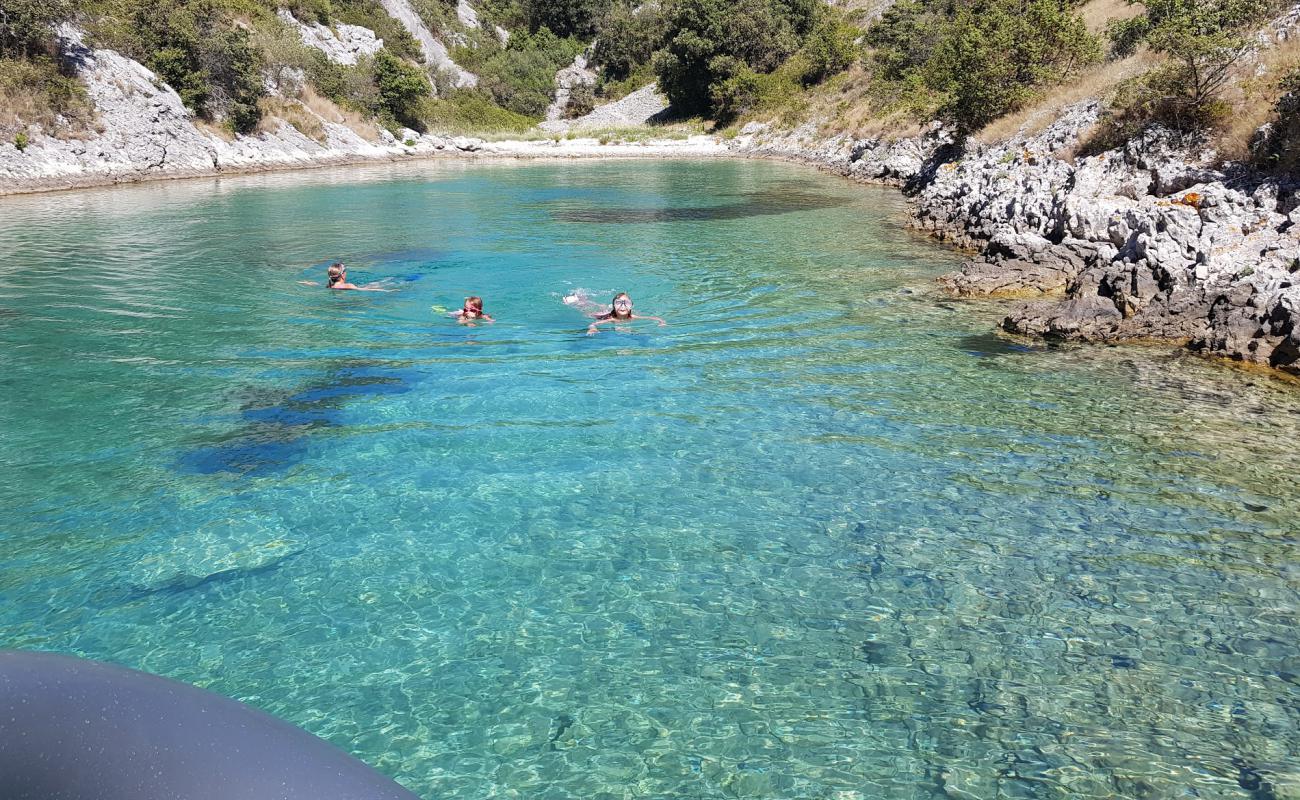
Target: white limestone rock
566	80
436	56
344	44
638	108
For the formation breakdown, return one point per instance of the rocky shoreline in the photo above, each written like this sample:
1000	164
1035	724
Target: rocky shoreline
1145	243
143	133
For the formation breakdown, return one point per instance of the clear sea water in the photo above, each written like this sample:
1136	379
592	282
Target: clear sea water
822	536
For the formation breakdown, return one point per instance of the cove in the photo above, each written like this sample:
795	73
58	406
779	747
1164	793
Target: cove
821	536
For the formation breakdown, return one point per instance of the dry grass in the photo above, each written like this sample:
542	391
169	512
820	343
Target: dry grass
32	93
218	131
308	114
329	111
1252	96
1097	14
279	109
846	104
19	107
1095	82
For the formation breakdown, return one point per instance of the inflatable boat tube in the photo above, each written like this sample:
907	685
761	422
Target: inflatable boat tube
72	729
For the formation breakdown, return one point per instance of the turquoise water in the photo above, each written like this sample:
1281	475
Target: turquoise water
822	536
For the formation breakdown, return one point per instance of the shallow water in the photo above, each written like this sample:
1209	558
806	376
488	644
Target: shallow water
823	536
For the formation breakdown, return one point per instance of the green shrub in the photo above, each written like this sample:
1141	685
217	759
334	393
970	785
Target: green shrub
973	61
1202	40
437	15
509	14
469	111
201	48
34	92
309	11
369	14
626	40
829	49
402	89
349	87
521	77
577	18
737	93
27	26
706	39
582	101
233	68
21	141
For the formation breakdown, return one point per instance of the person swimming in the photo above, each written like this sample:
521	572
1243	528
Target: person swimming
471	311
620	310
337	278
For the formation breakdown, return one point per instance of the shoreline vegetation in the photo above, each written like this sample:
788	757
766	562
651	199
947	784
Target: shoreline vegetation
1121	170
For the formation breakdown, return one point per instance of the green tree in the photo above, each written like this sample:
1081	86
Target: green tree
626	39
971	61
402	90
995	55
1203	40
829	49
566	17
708	40
904	38
521	77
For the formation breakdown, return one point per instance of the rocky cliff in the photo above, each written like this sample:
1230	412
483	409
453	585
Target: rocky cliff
143	131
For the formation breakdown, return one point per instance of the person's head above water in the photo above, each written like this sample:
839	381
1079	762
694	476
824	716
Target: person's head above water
337	273
621	306
620	310
473	305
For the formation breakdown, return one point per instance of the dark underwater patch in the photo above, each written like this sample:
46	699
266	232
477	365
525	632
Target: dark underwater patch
271	441
244	455
758	204
990	344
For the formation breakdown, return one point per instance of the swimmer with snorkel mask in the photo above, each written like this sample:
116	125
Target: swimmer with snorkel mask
472	311
620	310
337	278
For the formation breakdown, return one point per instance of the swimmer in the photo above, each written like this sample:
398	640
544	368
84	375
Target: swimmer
620	310
338	279
471	311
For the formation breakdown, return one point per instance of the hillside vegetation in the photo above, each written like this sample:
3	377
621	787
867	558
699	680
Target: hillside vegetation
977	65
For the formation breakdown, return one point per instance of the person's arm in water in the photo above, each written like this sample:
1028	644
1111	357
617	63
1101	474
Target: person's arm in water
592	328
647	316
356	288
